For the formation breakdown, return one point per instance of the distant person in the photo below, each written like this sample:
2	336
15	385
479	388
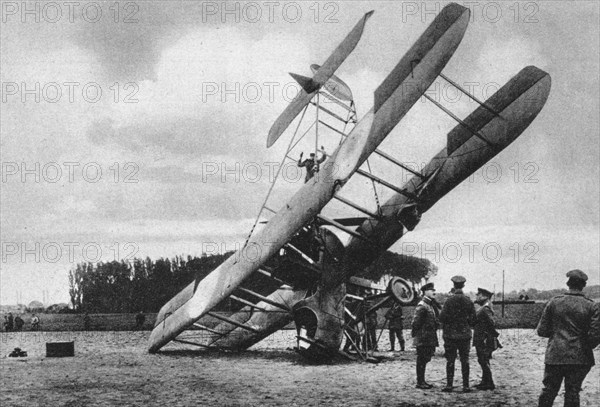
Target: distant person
396	323
312	164
484	338
11	322
571	321
19	323
354	327
457	318
370	325
424	332
35	322
140	318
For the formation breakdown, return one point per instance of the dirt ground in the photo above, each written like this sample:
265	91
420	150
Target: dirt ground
113	368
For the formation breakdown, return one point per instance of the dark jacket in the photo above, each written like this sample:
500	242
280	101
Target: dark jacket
457	316
572	322
394	314
484	331
425	324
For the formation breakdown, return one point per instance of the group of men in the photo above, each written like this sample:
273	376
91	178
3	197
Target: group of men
16	323
458	318
571	321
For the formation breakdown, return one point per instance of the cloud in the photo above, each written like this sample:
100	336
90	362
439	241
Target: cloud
214	94
502	58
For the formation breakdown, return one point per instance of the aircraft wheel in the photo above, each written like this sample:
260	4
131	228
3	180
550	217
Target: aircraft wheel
401	290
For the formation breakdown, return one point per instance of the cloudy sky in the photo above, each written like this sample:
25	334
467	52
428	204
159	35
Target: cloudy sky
139	129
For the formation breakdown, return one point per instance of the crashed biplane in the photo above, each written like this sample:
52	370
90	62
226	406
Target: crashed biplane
297	248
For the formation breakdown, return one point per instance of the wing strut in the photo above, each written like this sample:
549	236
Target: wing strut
248	303
398	163
270	275
264	299
387	184
379	153
482	104
232	322
357	207
205	328
449	113
330	113
338	225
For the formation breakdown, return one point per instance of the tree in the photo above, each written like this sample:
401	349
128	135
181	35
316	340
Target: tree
76	286
413	269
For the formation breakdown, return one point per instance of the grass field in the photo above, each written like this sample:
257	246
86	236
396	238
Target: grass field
114	369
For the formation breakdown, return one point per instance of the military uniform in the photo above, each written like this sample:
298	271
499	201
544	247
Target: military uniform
424	332
394	315
571	321
312	165
484	340
457	318
370	339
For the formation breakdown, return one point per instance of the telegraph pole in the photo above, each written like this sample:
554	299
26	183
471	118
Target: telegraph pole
503	293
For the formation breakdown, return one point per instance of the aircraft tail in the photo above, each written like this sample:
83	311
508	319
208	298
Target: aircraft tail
307	83
319	79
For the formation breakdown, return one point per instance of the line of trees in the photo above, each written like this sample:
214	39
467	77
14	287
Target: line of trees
140	285
146	285
592	291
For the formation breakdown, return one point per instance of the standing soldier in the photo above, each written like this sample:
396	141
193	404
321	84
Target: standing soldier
140	319
457	318
370	339
396	322
424	332
35	322
572	322
484	338
11	322
19	323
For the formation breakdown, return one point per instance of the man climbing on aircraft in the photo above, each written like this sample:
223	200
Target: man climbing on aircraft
312	164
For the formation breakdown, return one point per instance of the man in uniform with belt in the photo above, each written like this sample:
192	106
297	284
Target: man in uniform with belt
396	320
424	332
571	321
457	318
484	338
